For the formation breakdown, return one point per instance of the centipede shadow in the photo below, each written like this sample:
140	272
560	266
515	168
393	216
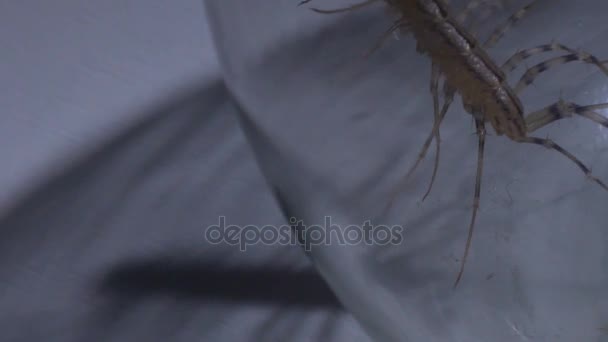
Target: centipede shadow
193	279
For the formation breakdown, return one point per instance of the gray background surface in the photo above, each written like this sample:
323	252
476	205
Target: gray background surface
121	144
119	147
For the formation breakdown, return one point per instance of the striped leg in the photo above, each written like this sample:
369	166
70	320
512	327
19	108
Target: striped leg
530	75
550	144
562	109
516	59
502	29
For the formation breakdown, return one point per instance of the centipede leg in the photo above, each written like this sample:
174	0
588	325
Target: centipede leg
550	144
448	97
499	32
397	25
439	116
517	58
561	110
433	87
471	6
481	134
435	74
532	73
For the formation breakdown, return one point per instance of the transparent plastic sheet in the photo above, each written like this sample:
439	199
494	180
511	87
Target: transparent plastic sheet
334	134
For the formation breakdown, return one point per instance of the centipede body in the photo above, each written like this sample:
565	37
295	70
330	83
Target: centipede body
465	65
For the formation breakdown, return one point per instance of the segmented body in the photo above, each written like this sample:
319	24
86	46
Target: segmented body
465	65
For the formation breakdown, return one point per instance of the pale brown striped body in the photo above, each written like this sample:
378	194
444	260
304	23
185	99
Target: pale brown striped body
465	65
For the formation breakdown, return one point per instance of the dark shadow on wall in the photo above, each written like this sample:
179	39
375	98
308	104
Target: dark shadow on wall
80	232
197	280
